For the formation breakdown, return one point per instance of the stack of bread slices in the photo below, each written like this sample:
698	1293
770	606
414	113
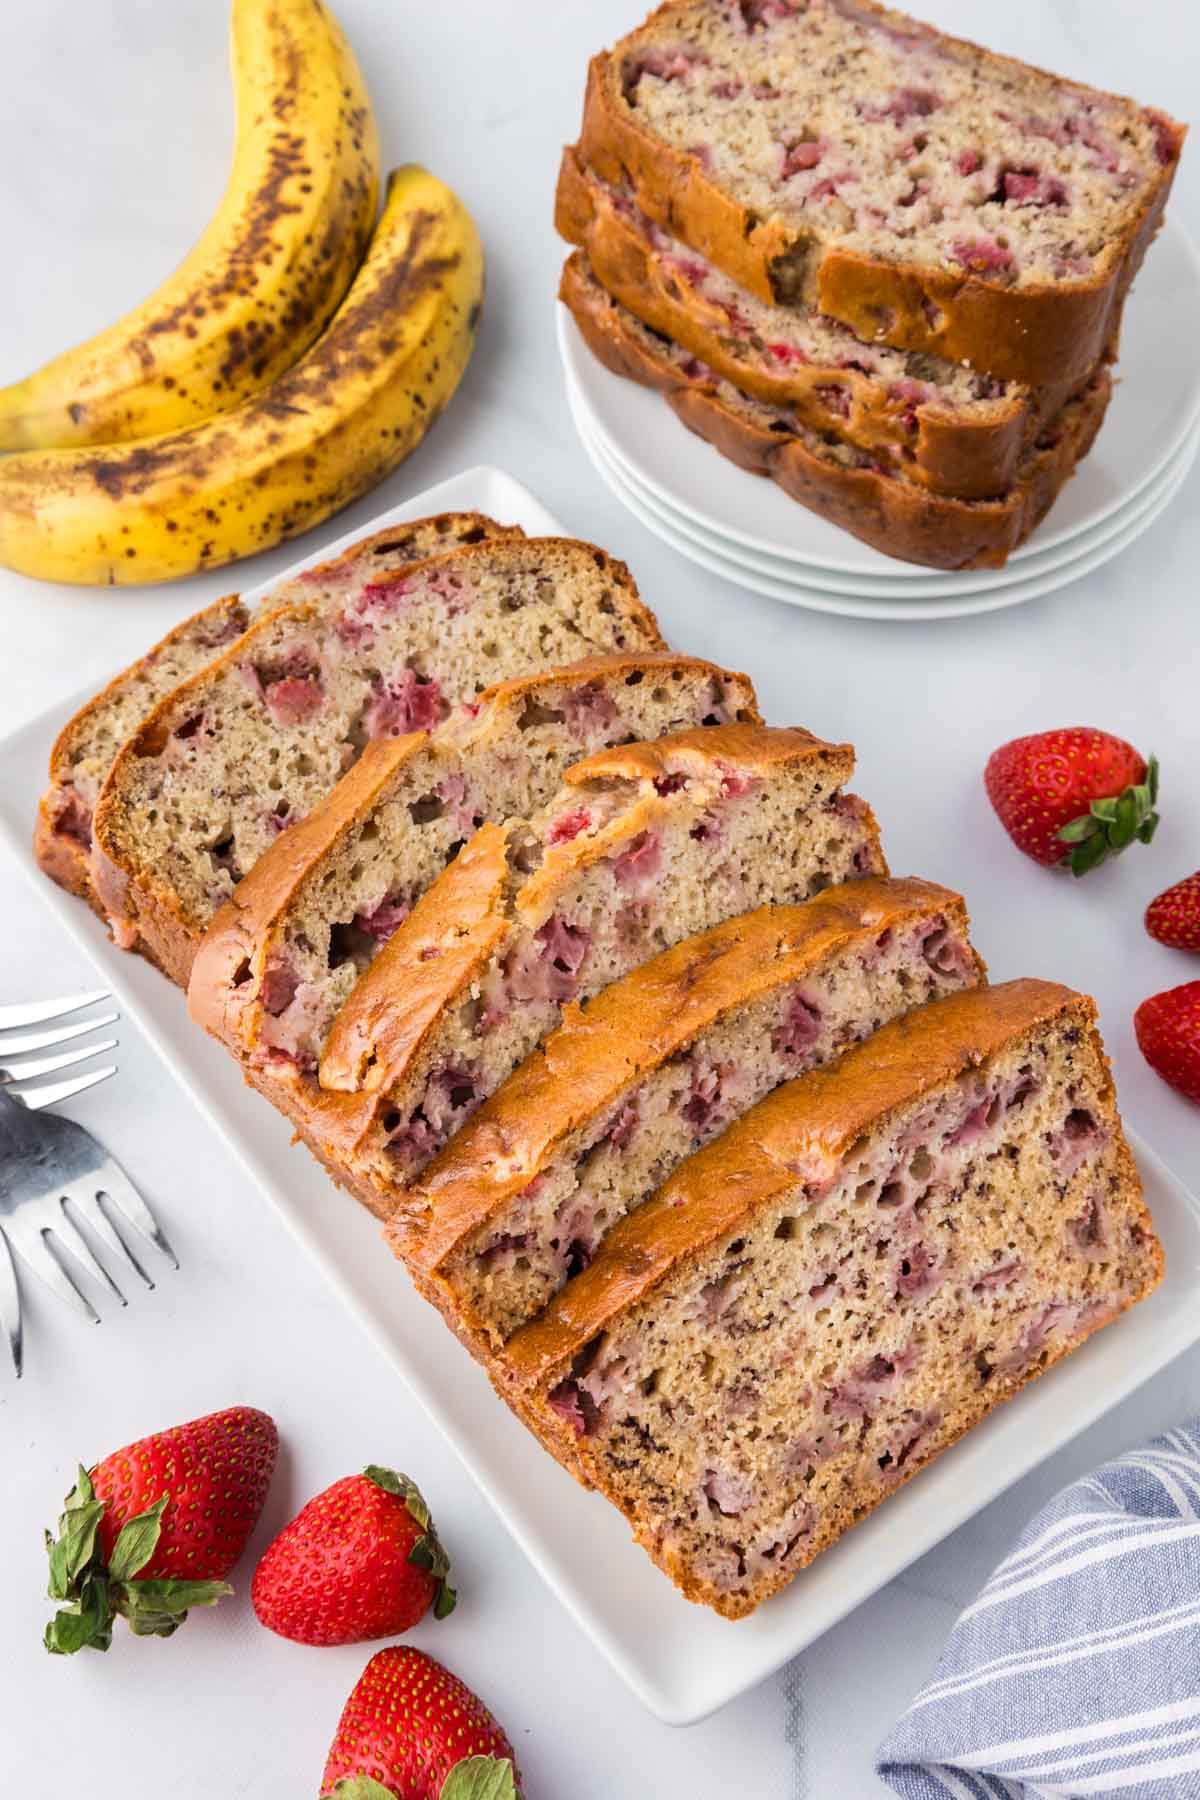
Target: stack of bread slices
876	263
705	1134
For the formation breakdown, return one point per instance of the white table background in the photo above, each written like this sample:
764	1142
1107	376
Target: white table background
115	121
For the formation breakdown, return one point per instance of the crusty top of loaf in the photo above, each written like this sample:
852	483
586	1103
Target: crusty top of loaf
792	1139
635	1026
758	748
510	696
393	546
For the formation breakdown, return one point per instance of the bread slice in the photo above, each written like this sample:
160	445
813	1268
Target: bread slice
828	474
940	423
924	192
824	1298
246	748
643	846
86	747
285	950
657	1065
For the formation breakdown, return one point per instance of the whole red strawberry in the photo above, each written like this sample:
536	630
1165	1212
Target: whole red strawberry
155	1528
412	1729
360	1561
1168	1035
1174	918
1076	796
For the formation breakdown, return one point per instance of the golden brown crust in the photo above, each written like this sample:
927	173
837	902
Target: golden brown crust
245	927
897	517
629	1029
1036	335
951	452
138	901
798	1132
761	748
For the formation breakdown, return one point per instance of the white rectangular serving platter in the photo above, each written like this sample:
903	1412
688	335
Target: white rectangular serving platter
680	1660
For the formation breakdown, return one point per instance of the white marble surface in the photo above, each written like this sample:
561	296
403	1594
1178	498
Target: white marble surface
114	131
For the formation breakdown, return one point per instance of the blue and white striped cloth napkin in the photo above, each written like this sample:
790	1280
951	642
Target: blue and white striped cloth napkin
1077	1670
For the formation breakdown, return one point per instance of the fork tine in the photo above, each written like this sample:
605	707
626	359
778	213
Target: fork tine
54	1091
37	1012
46	1040
112	1181
10	1306
33	1248
48	1065
88	1204
76	1245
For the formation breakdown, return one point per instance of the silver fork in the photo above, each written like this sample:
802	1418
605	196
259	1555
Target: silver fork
47	1161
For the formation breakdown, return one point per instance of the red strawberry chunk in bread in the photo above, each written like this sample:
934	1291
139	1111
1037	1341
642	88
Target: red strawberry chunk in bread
589	709
383	919
806	153
293	699
569	825
727	1493
641	862
408	702
800	1029
982	254
547	968
279	984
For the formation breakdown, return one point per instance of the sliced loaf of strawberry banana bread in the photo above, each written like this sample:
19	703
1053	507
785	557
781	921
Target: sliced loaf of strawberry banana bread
831	475
285	950
86	747
643	846
656	1065
248	746
926	193
824	1298
946	426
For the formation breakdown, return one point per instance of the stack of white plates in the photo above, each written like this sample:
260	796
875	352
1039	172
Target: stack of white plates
747	529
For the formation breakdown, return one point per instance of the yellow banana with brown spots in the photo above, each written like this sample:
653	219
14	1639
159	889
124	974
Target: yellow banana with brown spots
269	271
324	433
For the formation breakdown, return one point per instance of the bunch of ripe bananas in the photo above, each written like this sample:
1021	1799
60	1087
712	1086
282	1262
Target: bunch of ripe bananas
296	356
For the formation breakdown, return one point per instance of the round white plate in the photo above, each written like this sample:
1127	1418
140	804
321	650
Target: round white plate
1156	405
852	606
937	585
